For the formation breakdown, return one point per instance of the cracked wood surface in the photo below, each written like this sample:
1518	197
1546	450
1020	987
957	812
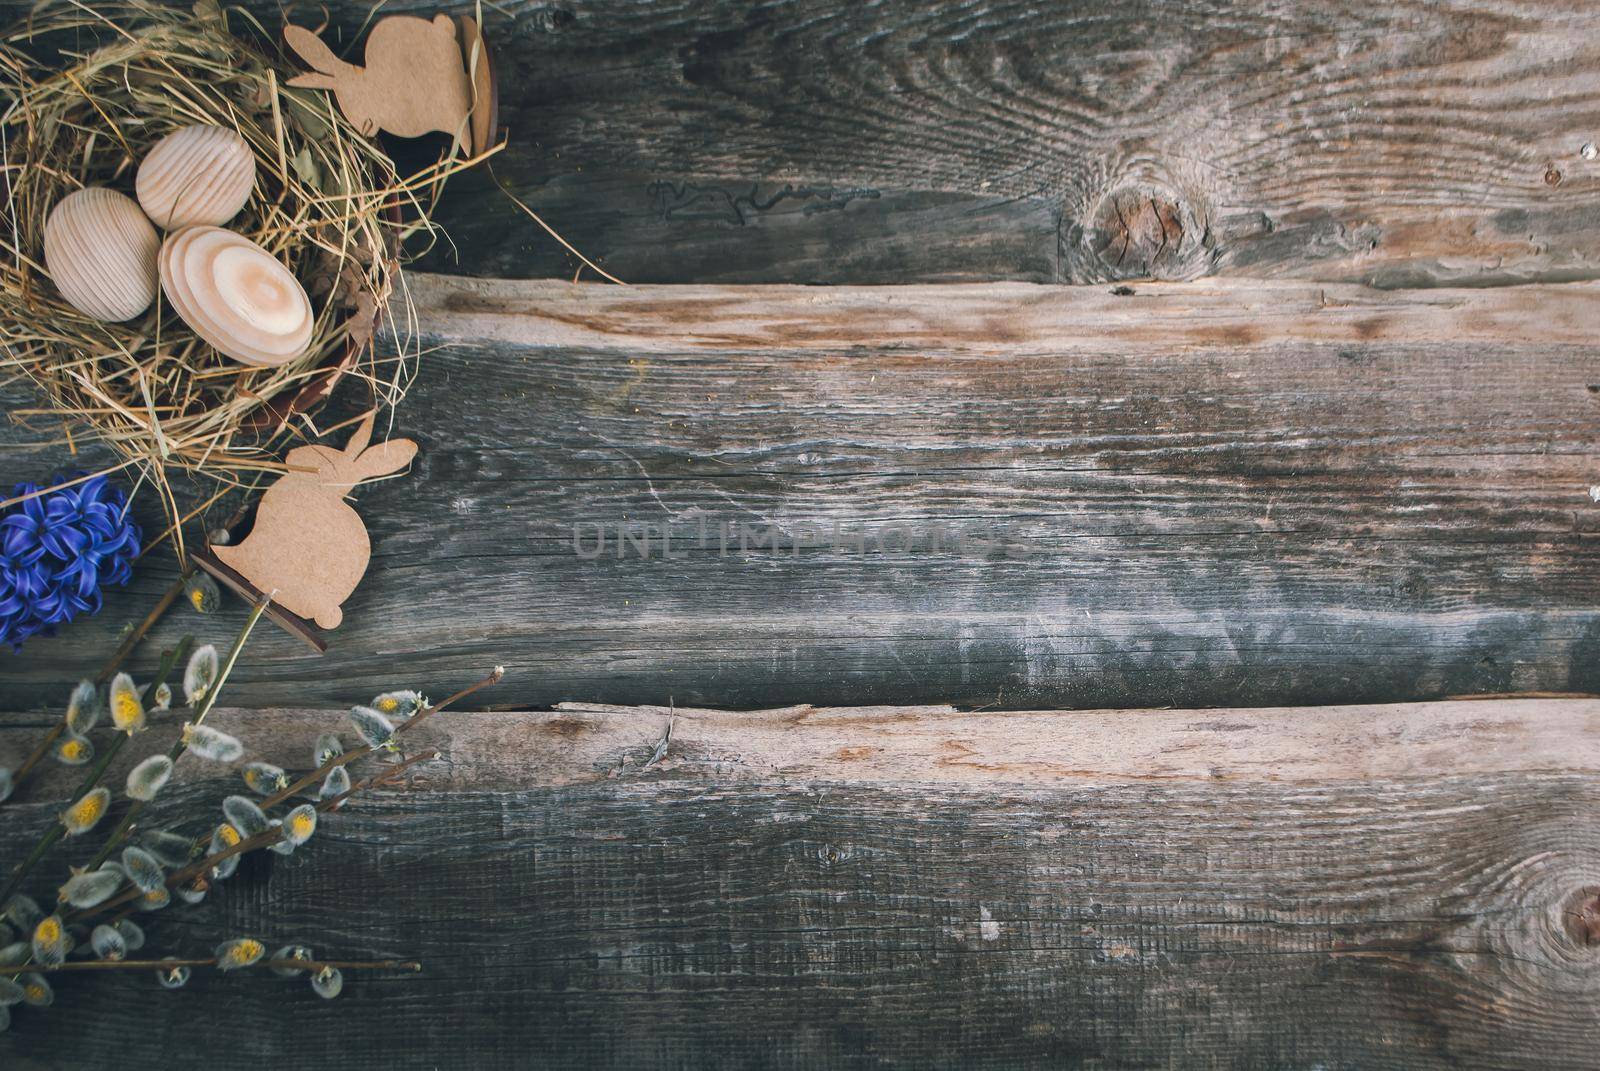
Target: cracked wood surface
1201	494
1378	887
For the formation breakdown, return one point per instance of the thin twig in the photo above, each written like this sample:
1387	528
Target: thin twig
264	839
181	745
316	776
129	642
551	231
168	964
56	831
39	752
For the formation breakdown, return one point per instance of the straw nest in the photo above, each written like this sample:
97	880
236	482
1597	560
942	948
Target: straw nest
85	94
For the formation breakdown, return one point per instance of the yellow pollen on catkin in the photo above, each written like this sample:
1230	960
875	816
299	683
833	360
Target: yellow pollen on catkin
124	709
87	811
48	931
303	825
230	836
196	597
245	951
35	991
72	749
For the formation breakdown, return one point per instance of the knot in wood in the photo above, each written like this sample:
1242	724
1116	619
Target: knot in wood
1582	918
1534	914
1140	226
1141	230
1541	926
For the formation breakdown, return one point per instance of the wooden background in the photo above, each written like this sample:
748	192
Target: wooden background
1367	887
1315	426
1287	511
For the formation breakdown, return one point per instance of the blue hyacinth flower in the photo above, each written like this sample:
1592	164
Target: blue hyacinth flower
58	550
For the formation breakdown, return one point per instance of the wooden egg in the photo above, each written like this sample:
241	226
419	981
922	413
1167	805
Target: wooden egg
101	253
236	295
196	175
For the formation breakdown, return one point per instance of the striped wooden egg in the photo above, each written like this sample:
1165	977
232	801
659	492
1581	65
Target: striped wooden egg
100	251
196	175
236	295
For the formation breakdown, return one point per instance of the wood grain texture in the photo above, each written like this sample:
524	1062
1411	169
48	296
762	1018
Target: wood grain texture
1403	144
1224	495
1363	887
994	320
585	743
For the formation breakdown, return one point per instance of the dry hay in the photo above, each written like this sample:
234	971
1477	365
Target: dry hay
85	93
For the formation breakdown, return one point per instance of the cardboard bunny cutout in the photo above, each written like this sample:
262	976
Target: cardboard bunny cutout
308	548
414	83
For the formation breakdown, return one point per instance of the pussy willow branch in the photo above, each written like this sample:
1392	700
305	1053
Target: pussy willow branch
168	964
181	745
169	660
131	640
119	656
264	839
315	776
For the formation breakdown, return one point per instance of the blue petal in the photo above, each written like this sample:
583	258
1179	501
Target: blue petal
65	542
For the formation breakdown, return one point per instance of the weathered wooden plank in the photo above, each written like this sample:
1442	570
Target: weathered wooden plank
1202	494
994	319
1372	887
1398	144
586	743
1405	144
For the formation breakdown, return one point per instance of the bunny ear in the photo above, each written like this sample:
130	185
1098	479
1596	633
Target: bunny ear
311	48
384	458
362	436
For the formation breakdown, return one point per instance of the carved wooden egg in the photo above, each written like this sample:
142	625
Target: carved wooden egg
101	253
196	175
236	295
